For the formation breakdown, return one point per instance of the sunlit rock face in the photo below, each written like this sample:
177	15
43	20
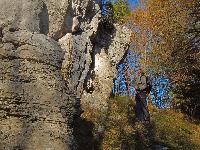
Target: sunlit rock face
110	45
51	54
36	108
36	104
79	50
24	15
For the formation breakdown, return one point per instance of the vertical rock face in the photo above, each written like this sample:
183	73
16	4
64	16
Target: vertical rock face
51	53
36	106
98	47
81	48
110	44
24	14
36	109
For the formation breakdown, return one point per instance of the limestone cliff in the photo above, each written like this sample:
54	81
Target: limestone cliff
49	53
35	106
110	44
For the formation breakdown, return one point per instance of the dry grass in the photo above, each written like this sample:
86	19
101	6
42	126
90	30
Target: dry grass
176	130
167	128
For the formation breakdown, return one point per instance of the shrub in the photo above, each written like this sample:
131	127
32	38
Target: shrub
120	132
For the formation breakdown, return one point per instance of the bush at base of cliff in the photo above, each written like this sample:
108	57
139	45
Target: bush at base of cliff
116	128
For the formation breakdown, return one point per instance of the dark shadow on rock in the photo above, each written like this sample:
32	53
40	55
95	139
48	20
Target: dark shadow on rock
104	36
44	20
1	34
102	39
83	133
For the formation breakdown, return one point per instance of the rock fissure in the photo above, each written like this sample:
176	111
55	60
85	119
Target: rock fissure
27	59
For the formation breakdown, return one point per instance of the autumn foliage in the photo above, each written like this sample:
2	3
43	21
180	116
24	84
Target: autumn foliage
166	33
167	128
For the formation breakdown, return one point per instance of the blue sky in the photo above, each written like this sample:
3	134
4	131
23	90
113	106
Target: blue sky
133	3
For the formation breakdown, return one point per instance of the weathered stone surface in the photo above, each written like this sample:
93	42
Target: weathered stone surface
60	17
109	48
34	46
42	80
67	16
25	15
81	54
101	84
55	18
97	49
66	43
36	109
80	49
119	44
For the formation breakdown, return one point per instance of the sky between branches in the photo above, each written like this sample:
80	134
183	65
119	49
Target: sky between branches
133	3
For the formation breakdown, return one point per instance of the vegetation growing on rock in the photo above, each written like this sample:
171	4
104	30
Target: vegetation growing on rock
121	11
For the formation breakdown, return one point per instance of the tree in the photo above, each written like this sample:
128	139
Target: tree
167	36
121	11
114	11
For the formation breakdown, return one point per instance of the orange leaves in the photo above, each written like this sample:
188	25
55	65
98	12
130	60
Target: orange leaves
160	25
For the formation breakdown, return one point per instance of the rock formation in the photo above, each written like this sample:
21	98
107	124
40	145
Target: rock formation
110	45
49	53
36	110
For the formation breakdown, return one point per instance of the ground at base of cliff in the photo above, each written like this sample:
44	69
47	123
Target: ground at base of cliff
116	129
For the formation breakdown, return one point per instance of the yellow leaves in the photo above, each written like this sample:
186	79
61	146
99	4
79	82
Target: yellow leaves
162	25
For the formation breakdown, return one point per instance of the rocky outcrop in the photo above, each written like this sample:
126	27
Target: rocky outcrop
110	45
98	47
24	15
36	109
36	105
49	53
80	49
